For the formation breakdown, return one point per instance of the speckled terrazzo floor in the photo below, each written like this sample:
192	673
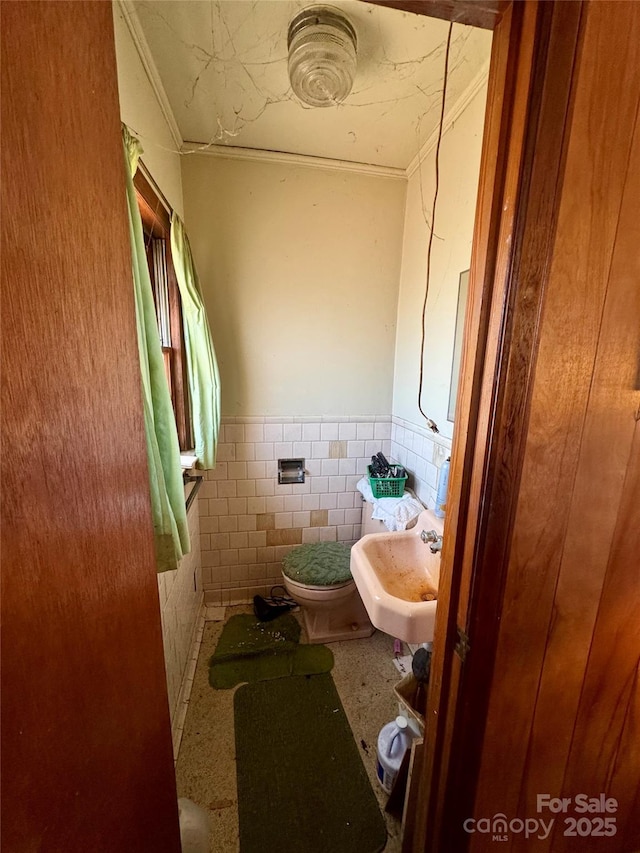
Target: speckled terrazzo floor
364	676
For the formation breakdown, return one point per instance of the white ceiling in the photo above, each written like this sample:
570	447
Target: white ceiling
223	65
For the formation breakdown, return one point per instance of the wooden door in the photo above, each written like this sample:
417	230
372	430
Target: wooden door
541	573
87	761
563	714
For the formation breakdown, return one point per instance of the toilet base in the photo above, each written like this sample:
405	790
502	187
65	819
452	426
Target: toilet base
322	628
331	614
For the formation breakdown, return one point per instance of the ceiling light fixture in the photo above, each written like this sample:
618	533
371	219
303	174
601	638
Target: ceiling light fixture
322	56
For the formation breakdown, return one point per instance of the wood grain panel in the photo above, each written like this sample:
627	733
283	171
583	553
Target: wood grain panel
605	747
604	565
86	747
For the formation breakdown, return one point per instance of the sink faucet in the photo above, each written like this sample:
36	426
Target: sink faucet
433	539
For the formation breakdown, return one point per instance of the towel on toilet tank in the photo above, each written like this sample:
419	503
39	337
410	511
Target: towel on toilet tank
396	513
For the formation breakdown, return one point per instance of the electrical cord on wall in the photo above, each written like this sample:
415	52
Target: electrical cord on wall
431	423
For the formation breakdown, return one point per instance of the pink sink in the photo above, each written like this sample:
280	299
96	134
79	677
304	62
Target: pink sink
397	578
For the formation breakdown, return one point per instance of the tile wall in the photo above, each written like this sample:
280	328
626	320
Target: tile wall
242	522
181	597
248	522
422	453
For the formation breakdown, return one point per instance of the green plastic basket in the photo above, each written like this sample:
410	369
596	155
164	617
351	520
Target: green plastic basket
386	487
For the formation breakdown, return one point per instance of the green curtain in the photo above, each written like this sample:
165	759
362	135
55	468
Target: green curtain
202	367
163	450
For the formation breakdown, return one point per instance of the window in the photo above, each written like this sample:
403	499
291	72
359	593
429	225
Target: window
156	225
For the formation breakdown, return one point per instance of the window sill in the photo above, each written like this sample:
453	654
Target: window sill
191	476
188	461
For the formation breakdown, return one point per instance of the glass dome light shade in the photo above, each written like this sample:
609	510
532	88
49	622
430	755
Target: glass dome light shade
322	56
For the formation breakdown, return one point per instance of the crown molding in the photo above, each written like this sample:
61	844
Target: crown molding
144	52
452	115
232	153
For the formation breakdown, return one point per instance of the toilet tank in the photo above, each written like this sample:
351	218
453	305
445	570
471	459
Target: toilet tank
371	525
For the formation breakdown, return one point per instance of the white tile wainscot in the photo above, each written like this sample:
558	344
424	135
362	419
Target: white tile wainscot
248	522
422	453
181	606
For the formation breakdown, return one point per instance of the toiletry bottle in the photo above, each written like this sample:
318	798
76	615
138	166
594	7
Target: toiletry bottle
441	497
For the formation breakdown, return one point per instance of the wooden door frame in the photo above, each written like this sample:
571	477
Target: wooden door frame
505	118
494	404
534	49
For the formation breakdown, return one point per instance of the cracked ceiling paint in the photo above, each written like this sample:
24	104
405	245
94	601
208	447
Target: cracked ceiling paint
223	64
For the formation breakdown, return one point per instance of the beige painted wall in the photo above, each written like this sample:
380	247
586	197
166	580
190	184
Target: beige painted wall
140	110
451	253
299	269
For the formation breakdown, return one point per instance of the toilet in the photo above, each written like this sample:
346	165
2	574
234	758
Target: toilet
318	577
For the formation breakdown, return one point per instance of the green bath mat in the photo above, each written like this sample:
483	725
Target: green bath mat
249	650
302	787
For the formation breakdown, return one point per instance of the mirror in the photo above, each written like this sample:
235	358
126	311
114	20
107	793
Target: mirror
463	289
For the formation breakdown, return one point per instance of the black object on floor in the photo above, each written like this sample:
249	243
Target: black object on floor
265	612
302	787
421	666
266	609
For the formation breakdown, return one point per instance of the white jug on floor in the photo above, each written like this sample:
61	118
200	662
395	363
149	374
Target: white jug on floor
393	741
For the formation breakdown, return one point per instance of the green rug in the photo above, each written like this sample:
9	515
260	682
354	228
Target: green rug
249	650
302	787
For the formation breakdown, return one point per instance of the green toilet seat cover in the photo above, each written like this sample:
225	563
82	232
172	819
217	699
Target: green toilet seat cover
320	564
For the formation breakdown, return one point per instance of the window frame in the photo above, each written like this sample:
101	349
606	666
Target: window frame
156	224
